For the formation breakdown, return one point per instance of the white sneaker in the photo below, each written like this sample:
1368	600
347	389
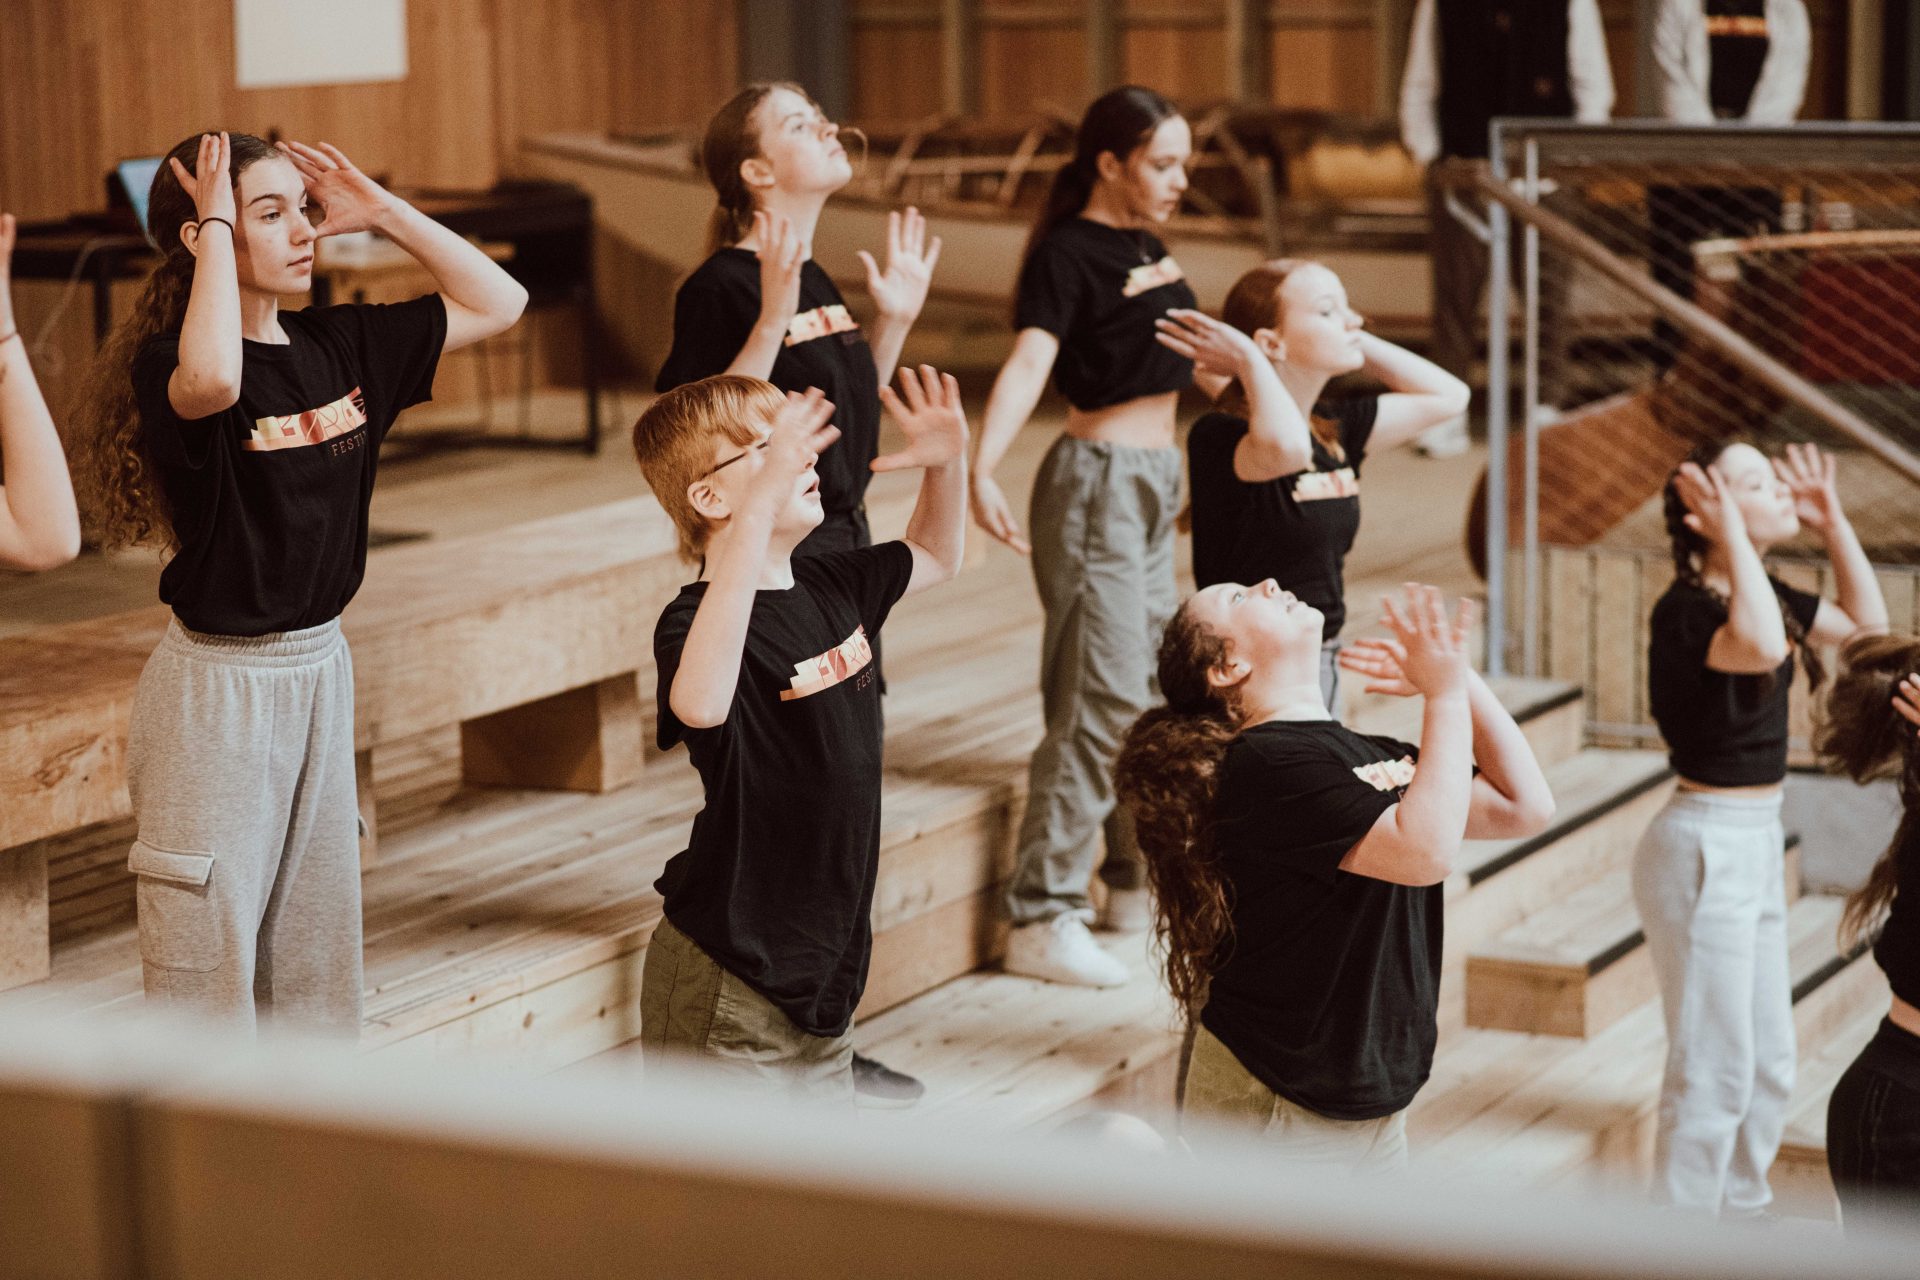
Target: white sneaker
1062	950
1128	910
1445	439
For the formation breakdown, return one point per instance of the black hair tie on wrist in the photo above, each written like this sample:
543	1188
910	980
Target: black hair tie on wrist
201	222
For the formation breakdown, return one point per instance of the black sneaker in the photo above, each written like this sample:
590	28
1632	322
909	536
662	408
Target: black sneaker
877	1085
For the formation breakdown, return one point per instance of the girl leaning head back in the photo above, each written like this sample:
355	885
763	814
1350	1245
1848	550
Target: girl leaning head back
767	135
1863	736
1296	311
1767	517
116	479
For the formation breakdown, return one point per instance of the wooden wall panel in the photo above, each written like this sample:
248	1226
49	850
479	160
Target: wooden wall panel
896	73
1025	69
1182	61
1324	68
674	60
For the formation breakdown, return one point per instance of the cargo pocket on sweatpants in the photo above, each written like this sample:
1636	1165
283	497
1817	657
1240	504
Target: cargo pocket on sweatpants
178	916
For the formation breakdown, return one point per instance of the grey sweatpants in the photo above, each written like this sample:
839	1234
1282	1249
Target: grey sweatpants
1709	881
1102	522
240	764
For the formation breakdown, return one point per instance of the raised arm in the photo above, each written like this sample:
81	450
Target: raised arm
1509	796
482	300
1420	394
1753	640
39	527
1015	393
781	256
709	673
929	411
207	379
1415	842
1812	476
899	291
1279	440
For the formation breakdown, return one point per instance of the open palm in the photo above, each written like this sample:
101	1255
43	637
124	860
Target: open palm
349	199
901	289
929	412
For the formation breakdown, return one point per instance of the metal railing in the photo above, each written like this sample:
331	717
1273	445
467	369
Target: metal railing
1683	284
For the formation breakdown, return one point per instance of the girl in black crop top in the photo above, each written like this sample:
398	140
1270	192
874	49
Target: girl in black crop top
243	440
1274	475
761	305
1094	280
1871	731
1300	865
1708	874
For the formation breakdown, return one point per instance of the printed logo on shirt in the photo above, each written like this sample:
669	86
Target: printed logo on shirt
1318	486
1152	275
847	659
820	323
313	426
1736	24
1386	775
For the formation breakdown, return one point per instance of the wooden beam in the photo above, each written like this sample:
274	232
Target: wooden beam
1866	32
1249	62
959	56
1392	28
1103	46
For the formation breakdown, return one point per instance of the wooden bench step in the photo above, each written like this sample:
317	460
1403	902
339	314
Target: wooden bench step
1603	801
1576	966
1548	1110
1550	713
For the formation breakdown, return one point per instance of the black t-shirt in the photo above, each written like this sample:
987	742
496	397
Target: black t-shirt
1721	729
1099	289
1330	990
713	316
776	883
270	496
1296	529
1897	950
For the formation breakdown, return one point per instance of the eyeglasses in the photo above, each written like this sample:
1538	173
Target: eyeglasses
759	448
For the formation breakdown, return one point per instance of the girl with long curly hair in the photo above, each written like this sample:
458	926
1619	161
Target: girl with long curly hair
1871	730
1299	865
1708	875
242	440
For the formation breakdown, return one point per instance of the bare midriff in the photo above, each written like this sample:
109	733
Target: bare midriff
1764	789
1143	423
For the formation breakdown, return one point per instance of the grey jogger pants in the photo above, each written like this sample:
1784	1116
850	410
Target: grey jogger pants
1102	521
240	764
1709	881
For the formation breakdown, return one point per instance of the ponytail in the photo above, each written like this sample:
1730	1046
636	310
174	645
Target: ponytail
1167	777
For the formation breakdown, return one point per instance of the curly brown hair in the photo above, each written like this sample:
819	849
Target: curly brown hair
1862	736
1167	775
114	475
1690	554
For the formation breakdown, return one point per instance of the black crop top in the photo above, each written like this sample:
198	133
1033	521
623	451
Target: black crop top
1897	950
1296	529
1722	730
1099	289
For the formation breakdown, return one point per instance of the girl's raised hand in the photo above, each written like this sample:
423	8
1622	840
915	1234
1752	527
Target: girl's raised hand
929	411
1434	650
1811	477
1906	699
348	198
1214	347
210	185
901	289
781	258
1382	662
1711	510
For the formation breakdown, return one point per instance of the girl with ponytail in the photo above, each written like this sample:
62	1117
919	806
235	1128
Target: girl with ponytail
38	525
242	441
1299	865
1708	875
1094	280
760	305
1274	474
1871	730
